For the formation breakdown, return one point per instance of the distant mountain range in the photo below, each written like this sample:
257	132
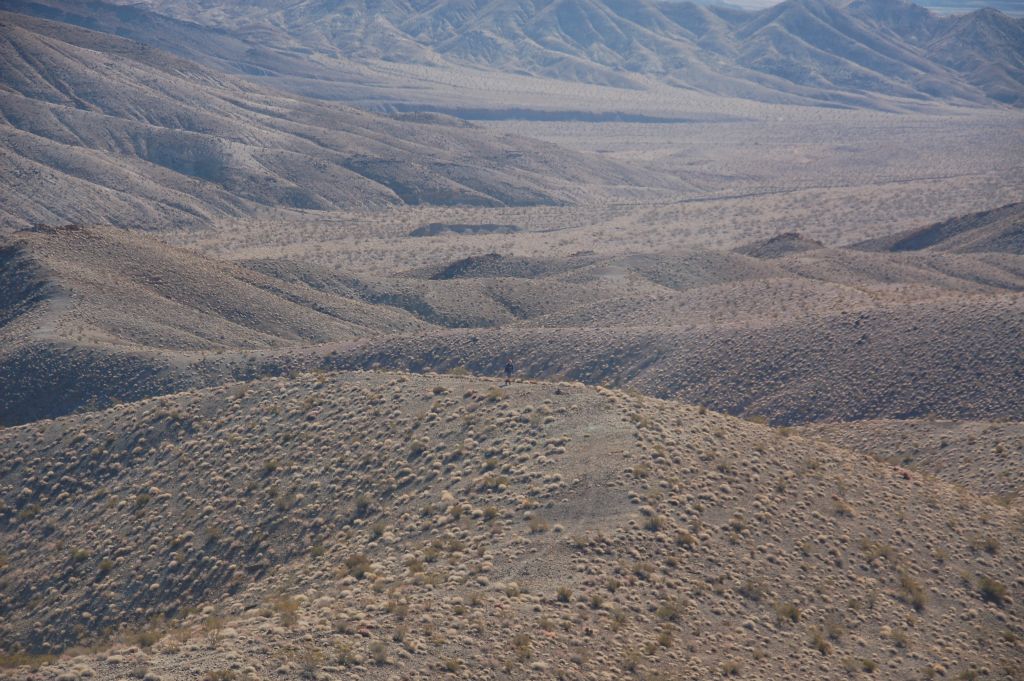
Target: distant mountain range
841	52
96	128
1013	7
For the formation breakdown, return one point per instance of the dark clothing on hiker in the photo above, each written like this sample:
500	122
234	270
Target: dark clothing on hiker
508	372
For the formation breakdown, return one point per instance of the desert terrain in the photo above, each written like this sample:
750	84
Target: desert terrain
759	272
385	525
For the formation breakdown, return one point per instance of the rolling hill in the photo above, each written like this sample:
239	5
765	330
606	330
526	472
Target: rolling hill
90	315
975	455
375	525
1000	230
764	420
786	330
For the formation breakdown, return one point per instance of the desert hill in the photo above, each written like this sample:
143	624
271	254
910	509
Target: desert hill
998	230
262	264
779	245
982	456
104	312
888	363
803	335
380	525
847	53
98	129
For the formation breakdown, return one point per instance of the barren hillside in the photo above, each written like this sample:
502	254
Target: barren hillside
999	230
511	339
793	332
98	129
382	525
88	315
986	457
844	53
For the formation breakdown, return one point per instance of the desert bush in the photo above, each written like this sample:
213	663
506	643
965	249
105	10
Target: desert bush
493	481
212	628
671	611
685	539
379	652
309	660
537	524
819	641
345	655
654	522
752	589
787	611
732	668
357	565
631	660
220	675
874	550
397	608
521	646
618	619
644	570
991	590
911	591
834	628
287	609
30	661
988	544
363	503
842	508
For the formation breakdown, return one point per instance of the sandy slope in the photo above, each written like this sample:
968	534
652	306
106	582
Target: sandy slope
382	525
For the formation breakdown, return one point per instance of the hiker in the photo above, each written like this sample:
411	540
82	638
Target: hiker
509	368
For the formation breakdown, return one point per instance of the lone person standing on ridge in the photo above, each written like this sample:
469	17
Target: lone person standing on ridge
509	368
